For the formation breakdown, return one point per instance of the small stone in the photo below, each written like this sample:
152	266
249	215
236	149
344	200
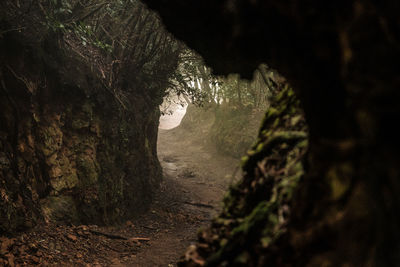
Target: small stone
35	259
83	227
72	237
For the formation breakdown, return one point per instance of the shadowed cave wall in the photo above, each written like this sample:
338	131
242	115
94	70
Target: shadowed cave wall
72	149
68	153
342	60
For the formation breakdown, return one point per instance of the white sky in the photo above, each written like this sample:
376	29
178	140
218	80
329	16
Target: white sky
171	121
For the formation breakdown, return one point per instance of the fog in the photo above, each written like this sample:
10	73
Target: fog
170	121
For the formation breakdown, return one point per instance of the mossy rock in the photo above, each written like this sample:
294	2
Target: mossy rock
256	209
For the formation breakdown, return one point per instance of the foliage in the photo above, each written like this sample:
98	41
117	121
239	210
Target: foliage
195	82
234	129
121	40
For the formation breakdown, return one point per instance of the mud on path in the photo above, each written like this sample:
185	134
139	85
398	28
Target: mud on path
195	180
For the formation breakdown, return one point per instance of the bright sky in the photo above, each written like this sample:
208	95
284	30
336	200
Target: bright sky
171	121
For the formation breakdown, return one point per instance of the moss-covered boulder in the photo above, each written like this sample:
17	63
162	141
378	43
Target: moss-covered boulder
257	209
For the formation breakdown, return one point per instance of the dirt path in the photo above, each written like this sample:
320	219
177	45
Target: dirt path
195	180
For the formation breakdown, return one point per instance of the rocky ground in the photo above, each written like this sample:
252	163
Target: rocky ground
195	180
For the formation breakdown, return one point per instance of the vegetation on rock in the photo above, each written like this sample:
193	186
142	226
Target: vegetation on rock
257	208
233	106
80	86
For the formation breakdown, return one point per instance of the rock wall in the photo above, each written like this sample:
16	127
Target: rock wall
69	151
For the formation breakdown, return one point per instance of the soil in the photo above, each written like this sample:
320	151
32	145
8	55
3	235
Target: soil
195	180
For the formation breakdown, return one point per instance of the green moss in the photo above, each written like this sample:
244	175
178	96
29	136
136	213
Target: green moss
276	123
287	187
259	147
223	242
265	241
303	144
244	160
281	94
272	112
230	198
254	210
258	215
290	92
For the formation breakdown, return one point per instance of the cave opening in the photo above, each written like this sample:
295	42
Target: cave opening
201	157
83	153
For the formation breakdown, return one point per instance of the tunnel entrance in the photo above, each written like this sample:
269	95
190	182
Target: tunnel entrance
203	156
80	86
86	153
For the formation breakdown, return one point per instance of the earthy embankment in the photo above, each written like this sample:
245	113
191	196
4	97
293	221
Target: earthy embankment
195	181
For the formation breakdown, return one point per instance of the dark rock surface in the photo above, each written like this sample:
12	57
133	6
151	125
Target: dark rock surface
70	150
342	60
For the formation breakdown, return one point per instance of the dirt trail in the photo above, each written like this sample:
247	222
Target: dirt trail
195	181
